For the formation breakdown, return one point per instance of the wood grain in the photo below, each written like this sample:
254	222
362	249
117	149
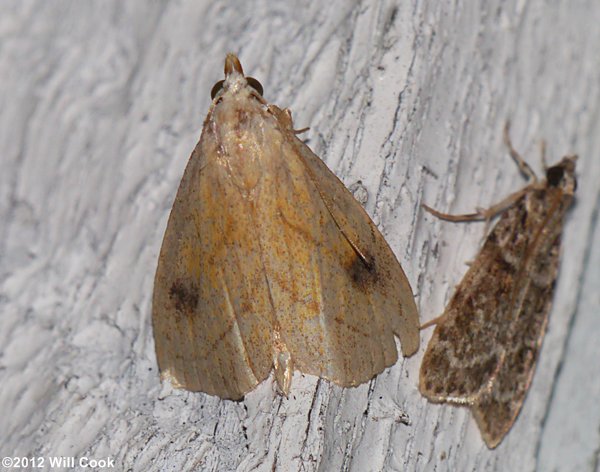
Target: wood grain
100	104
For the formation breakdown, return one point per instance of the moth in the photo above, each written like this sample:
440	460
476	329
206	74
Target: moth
268	262
486	343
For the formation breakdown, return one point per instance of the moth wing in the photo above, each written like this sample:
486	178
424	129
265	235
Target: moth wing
496	409
394	295
338	291
469	342
211	312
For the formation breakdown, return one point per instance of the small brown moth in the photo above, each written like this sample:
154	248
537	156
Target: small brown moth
485	345
269	262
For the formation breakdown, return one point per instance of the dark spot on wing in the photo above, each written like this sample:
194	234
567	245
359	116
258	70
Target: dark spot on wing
362	271
184	295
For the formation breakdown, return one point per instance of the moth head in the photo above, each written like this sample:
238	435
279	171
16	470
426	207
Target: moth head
235	80
562	175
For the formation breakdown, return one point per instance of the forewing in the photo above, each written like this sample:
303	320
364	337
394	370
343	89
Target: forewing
338	297
212	315
392	293
496	409
468	344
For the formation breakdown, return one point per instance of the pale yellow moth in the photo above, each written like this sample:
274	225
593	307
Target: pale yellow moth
268	262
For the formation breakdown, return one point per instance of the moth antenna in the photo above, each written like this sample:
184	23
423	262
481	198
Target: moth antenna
525	169
543	154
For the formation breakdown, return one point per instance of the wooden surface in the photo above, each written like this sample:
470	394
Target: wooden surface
101	103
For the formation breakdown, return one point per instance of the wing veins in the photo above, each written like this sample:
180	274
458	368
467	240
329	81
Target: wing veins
235	320
330	211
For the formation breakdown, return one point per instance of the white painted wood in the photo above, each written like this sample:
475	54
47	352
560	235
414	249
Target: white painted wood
101	103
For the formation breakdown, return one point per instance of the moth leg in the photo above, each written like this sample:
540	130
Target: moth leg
288	112
283	364
482	214
525	169
432	322
285	118
456	218
301	130
488	214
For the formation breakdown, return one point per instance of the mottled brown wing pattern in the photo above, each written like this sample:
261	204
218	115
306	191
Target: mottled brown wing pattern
485	345
458	369
496	409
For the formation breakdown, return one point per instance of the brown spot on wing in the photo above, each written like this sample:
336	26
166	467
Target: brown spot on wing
184	296
362	271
